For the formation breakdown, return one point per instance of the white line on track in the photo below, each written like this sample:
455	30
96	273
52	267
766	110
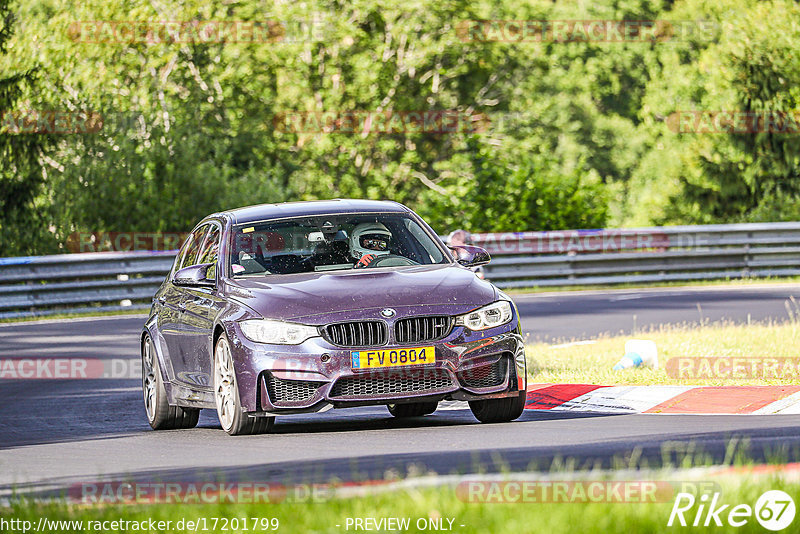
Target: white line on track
35	322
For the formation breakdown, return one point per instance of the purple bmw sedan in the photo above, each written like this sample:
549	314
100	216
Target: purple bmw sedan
282	309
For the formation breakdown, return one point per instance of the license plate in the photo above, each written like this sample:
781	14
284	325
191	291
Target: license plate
368	359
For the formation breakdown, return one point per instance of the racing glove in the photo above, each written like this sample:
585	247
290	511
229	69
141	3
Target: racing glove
365	260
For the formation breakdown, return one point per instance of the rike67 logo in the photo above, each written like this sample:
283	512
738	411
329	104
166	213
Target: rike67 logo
774	510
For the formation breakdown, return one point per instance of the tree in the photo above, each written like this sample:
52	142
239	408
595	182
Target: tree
748	65
22	228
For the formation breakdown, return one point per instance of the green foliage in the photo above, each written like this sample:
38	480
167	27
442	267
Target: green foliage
749	65
576	132
506	193
623	507
23	229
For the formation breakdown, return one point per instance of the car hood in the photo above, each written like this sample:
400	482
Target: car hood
318	298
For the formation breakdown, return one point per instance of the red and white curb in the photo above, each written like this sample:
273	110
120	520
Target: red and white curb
665	399
758	400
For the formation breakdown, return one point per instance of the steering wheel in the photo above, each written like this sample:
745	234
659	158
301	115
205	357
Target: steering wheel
391	260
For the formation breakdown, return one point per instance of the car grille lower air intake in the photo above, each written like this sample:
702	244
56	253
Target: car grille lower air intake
393	383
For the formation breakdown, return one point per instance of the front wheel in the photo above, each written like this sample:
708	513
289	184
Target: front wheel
498	410
414	409
232	417
160	414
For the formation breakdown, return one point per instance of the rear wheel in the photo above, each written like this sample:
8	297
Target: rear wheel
414	409
498	410
160	414
232	417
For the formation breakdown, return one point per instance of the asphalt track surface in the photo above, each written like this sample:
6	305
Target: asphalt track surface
55	433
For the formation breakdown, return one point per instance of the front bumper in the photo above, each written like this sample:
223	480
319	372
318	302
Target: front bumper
316	375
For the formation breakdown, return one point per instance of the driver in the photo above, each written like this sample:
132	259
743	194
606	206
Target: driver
368	241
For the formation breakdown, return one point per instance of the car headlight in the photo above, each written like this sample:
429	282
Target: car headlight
494	314
277	332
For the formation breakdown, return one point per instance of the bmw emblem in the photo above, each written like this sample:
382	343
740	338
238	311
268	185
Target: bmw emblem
388	312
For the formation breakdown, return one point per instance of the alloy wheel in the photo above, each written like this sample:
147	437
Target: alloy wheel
149	385
224	384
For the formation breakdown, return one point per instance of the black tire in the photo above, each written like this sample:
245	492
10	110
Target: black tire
160	414
247	425
241	424
414	409
498	410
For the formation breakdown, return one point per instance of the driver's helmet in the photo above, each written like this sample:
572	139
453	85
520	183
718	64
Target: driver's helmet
370	238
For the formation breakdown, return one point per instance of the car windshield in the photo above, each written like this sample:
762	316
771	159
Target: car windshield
331	243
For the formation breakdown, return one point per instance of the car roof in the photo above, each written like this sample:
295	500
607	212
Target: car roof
311	208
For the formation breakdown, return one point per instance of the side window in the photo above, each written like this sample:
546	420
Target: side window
193	248
210	251
182	253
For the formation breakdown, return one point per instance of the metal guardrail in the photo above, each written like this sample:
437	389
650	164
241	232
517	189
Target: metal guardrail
74	283
109	281
587	257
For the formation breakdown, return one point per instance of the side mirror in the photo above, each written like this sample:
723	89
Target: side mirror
470	256
194	276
